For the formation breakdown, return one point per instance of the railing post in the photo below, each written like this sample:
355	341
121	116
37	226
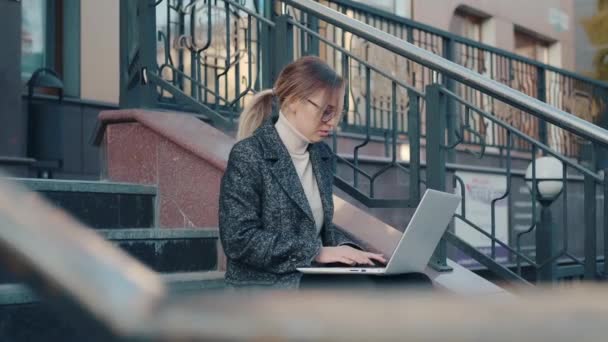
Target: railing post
413	132
590	229
589	207
602	151
282	45
605	221
313	23
435	157
449	51
544	245
266	46
541	94
137	52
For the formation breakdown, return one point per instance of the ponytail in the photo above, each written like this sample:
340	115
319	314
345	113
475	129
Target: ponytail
254	114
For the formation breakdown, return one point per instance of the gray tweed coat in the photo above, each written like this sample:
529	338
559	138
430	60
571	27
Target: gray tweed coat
266	225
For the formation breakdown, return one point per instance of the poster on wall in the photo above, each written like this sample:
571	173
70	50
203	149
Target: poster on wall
480	190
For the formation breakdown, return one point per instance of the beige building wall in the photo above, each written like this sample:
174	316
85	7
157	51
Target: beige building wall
99	44
504	15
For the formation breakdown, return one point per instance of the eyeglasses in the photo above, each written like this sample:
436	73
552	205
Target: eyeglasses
328	114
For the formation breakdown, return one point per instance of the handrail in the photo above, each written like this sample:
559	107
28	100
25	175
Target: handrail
457	72
152	77
355	58
63	256
463	40
523	136
251	13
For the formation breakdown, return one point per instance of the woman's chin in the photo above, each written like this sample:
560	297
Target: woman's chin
321	135
316	138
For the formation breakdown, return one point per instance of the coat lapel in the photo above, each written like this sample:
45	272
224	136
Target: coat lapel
286	175
283	168
320	160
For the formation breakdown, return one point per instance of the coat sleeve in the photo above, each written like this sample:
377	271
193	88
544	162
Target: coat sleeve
340	238
241	232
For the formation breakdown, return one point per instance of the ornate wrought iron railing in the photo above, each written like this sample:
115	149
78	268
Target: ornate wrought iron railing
553	233
193	33
447	129
214	51
401	113
568	91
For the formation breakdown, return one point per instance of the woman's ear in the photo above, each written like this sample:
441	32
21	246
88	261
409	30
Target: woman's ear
292	106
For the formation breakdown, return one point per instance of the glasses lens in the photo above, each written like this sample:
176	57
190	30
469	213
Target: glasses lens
328	114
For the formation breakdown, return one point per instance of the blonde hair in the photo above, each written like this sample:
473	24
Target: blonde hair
299	80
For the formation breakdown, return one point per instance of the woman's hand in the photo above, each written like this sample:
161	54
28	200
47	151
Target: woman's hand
347	255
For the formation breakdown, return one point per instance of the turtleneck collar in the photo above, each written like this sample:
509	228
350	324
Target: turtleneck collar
295	142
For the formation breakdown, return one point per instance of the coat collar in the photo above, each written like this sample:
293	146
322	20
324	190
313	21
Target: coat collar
284	171
273	147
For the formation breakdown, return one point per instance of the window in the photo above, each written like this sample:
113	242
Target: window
33	37
50	38
532	47
467	25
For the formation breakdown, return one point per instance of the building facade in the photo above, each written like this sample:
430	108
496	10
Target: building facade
543	30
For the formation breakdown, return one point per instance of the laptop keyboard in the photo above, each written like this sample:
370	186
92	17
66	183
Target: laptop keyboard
338	264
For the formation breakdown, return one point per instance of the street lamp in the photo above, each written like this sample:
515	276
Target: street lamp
544	177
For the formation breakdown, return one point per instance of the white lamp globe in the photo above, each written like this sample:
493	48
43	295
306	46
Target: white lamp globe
546	168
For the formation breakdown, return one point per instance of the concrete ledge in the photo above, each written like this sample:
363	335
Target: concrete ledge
18	294
6	160
159	233
183	130
49	185
195	281
13	294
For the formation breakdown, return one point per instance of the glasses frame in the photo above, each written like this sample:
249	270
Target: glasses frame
326	116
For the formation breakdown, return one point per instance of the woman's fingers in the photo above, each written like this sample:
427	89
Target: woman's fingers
377	257
351	256
346	261
363	259
368	258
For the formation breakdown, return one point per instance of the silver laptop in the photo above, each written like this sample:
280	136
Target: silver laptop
418	242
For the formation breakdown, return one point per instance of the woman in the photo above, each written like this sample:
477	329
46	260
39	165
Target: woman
276	204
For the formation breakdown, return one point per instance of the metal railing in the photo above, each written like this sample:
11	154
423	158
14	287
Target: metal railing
546	239
562	89
193	35
398	113
456	72
444	123
214	51
402	111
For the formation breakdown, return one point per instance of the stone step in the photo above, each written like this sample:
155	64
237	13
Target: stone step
165	250
169	249
99	204
180	282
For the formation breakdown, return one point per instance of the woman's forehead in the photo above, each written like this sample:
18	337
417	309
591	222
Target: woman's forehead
318	95
333	98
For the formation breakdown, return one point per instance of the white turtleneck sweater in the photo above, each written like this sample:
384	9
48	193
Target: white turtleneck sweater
297	145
